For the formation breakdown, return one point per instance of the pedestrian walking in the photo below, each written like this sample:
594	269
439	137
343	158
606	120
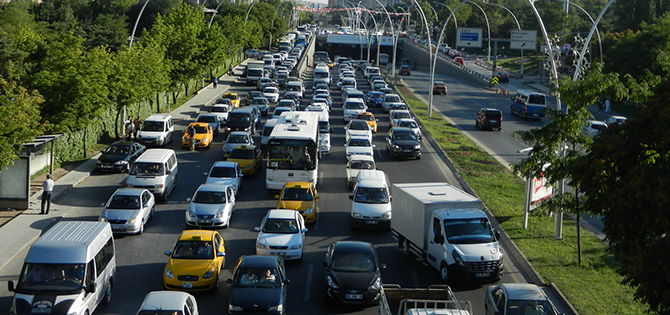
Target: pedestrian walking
137	124
601	106
48	186
607	105
130	128
231	69
215	81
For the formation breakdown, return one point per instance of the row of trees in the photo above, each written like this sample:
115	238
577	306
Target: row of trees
63	63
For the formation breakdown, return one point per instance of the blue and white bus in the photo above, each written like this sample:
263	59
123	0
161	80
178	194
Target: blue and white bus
292	150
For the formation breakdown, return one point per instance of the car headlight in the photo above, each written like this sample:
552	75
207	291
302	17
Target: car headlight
103	219
132	220
457	258
98	162
309	211
208	274
122	162
296	246
357	215
417	147
376	285
168	273
219	214
276	308
396	147
234	308
261	246
191	213
386	215
332	283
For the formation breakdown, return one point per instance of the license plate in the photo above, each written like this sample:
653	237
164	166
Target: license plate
371	222
187	285
407	151
117	228
353	296
492	121
278	253
106	166
482	275
204	221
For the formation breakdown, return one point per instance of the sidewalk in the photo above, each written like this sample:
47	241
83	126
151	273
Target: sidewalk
26	228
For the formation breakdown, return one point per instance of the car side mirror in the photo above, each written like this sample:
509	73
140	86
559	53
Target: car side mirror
90	288
304	230
351	197
374	145
10	286
325	263
205	174
497	235
220	254
382	266
167	253
257	229
317	197
189	199
286	281
102	204
276	196
168	172
229	281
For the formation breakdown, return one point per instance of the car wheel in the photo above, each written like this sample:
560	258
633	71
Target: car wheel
151	213
444	272
108	294
141	231
418	157
404	247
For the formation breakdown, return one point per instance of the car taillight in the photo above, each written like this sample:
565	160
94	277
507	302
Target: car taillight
525	108
501	119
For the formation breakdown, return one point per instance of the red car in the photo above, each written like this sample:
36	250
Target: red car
459	60
439	88
404	69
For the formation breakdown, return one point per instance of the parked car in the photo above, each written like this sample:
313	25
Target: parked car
212	205
439	87
128	210
195	261
517	298
281	233
459	60
258	285
489	118
119	155
353	273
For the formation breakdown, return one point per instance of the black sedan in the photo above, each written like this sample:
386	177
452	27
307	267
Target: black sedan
403	142
251	95
353	273
502	76
119	156
258	286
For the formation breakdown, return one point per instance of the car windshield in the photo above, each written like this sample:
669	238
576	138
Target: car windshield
210	197
354	105
244	154
52	277
200	129
147	169
124	202
207	119
259	101
152	126
359	142
238	139
193	250
117	150
359	125
408	124
297	194
230	96
362	165
225	101
398	115
468	231
224	172
599	127
529	307
366	117
353	262
404	136
239	118
270	90
160	312
280	226
371	195
257	278
392	99
219	109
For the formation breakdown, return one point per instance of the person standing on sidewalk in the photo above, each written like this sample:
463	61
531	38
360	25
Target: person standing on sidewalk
607	105
137	124
48	186
231	69
215	81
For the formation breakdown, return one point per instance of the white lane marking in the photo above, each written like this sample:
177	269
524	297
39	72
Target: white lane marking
308	285
415	278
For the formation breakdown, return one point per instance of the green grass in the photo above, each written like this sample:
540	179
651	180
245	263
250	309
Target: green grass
592	287
513	64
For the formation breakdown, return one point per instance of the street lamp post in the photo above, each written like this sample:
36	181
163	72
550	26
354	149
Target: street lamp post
273	21
495	60
487	25
600	43
248	11
430	60
137	21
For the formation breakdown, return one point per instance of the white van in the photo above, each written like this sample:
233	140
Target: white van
155	170
156	130
371	206
267	130
322	72
70	269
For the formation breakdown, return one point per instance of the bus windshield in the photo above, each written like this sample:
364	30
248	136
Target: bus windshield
291	154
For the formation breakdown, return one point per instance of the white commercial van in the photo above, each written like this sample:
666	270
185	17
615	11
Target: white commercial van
156	130
155	170
322	72
69	270
371	206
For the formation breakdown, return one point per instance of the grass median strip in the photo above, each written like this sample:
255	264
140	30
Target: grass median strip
593	287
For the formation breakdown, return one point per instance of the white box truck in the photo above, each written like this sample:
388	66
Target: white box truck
447	227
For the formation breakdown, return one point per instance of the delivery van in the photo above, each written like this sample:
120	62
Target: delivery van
70	269
156	171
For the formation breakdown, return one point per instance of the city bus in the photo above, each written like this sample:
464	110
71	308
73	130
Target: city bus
292	150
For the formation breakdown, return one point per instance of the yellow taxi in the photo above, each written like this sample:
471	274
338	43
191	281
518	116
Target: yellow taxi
195	261
233	97
248	156
370	118
301	196
204	135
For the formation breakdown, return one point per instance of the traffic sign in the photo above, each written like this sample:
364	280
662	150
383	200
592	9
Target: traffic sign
495	80
523	40
469	37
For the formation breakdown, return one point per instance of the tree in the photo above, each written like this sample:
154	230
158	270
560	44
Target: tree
19	119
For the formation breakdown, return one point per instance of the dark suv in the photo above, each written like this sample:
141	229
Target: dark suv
243	119
489	118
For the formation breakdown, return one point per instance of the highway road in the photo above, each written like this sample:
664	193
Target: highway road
141	260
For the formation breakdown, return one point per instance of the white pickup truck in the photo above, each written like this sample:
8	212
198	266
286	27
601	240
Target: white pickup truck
434	300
